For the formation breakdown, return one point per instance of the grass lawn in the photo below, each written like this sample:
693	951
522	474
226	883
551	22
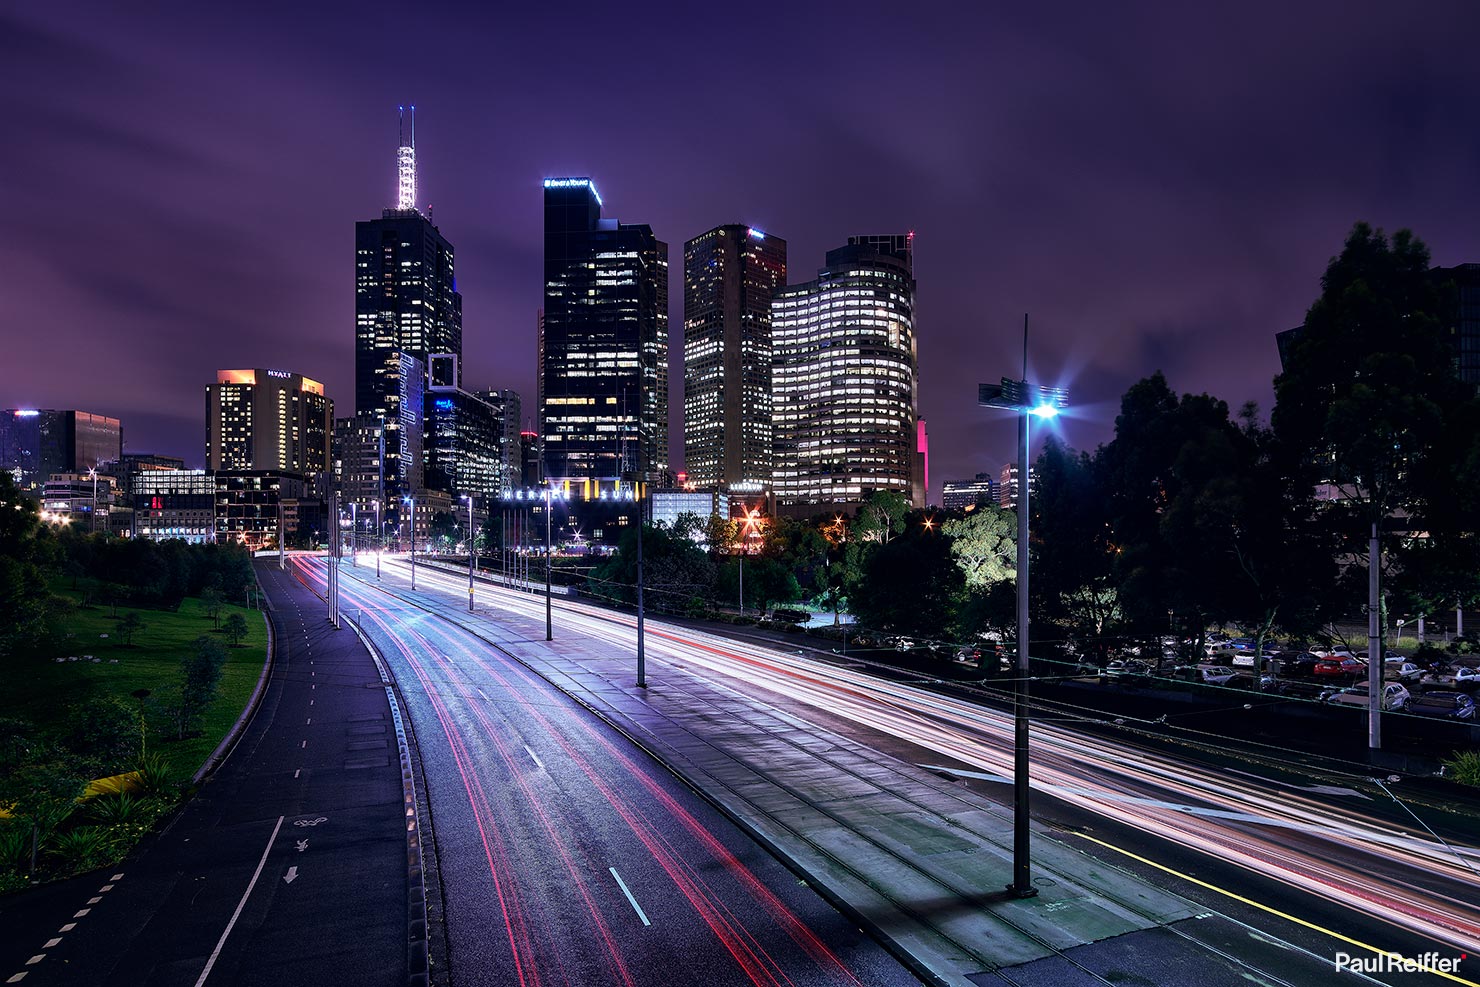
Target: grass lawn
41	690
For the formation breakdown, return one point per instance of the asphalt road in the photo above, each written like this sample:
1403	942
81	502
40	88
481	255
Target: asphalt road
569	856
1290	875
288	866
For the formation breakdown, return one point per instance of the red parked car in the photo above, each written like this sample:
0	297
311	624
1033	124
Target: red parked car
1339	668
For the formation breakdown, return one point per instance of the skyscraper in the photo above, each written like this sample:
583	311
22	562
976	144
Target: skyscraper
604	345
268	420
845	380
407	307
464	437
730	275
34	444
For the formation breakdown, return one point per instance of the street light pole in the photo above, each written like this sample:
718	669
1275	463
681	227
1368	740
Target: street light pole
354	524
641	650
469	499
92	518
549	509
1023	399
412	501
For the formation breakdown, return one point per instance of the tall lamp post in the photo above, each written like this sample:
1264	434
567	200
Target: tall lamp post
412	501
1025	400
92	518
379	540
549	557
469	499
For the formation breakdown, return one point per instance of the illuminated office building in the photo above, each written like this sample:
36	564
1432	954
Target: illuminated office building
967	495
463	437
845	384
603	345
174	504
407	307
731	274
268	420
37	443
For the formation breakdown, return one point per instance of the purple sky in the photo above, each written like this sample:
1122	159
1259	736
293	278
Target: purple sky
1159	186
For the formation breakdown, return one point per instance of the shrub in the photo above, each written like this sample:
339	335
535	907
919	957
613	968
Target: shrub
82	848
153	778
15	847
1464	767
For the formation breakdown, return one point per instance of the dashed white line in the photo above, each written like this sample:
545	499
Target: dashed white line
36	959
534	758
302	745
116	877
310	722
295	773
51	942
623	885
68	927
93	901
81	912
106	887
485	696
17	978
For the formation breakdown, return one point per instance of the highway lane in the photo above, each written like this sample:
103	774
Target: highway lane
568	856
1408	890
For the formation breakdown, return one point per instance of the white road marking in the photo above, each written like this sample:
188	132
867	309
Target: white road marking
215	953
68	927
36	959
81	912
303	745
116	877
484	695
93	901
292	875
295	773
17	978
532	756
106	887
623	885
51	942
310	721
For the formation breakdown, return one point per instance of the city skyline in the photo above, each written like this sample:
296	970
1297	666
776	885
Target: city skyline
1156	204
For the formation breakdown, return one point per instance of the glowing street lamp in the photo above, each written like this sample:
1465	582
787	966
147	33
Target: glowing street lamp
469	499
1027	401
412	502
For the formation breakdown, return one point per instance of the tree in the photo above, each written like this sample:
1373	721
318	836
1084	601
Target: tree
23	593
236	628
200	673
129	625
910	585
882	516
211	601
1369	395
444	530
984	545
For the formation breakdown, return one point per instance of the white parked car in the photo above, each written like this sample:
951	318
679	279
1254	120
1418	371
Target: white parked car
1406	672
1217	674
1395	696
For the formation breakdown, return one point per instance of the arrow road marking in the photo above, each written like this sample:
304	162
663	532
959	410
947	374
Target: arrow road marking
292	875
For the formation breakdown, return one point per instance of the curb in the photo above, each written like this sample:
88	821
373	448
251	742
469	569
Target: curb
418	954
228	743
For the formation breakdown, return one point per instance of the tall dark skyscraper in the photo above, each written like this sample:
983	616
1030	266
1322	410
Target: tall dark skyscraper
729	277
604	345
407	307
34	444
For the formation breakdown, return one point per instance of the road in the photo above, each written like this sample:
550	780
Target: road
568	856
287	867
1318	869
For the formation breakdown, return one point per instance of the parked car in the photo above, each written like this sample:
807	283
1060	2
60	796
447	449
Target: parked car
1245	680
1406	672
1332	667
1461	678
1216	674
1395	696
1125	668
1295	664
1443	705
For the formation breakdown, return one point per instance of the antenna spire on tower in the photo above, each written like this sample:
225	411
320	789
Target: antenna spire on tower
406	162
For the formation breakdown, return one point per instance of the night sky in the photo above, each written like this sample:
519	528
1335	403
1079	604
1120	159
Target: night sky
1159	186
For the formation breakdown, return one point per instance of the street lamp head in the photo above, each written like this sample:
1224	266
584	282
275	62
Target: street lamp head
1045	411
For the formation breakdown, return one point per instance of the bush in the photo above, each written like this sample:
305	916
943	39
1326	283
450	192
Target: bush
1464	767
82	848
104	732
153	778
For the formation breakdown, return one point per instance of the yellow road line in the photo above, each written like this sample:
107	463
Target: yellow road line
1266	908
